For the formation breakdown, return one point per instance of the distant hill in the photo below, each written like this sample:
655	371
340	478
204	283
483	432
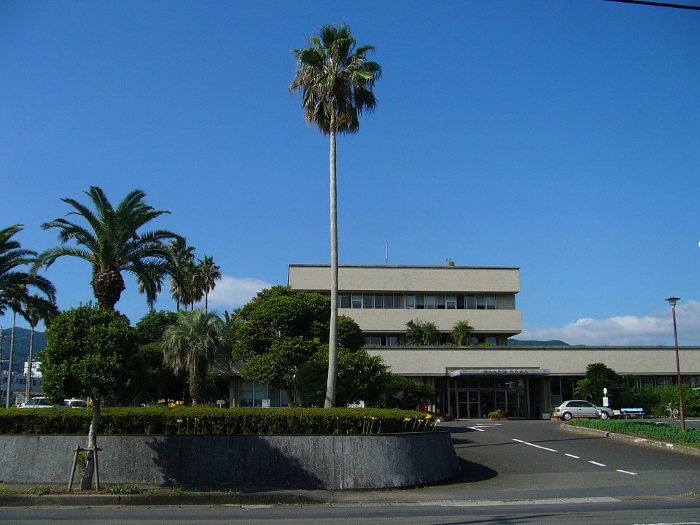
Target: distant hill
555	342
21	346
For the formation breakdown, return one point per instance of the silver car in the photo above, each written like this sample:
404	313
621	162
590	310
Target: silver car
581	408
37	402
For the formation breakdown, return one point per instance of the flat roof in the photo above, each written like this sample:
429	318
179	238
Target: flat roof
394	266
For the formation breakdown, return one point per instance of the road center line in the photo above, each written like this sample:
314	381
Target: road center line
596	463
533	445
627	472
572	456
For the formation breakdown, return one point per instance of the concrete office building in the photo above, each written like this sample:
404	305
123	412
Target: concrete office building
472	381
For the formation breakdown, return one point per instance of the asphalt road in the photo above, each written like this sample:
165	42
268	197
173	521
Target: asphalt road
515	472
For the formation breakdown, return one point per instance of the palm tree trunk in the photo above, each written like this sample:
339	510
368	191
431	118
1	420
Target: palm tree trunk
333	332
9	361
28	389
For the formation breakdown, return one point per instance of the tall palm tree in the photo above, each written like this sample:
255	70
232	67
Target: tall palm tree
191	345
208	272
16	285
181	266
335	80
111	242
36	309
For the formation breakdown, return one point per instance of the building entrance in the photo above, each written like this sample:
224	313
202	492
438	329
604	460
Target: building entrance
476	397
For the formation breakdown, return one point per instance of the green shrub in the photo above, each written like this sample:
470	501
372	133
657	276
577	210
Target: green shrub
181	420
645	429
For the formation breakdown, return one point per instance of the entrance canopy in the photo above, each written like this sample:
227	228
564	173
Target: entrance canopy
499	372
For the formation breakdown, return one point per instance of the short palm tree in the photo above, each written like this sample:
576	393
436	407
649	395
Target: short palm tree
335	79
112	242
181	267
191	344
462	333
36	309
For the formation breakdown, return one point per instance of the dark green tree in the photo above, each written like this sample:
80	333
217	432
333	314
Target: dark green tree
361	377
279	313
90	352
405	393
156	380
336	80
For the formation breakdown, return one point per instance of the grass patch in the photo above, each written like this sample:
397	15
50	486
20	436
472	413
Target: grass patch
123	488
644	429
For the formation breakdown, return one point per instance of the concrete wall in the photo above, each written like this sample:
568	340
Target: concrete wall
560	360
327	462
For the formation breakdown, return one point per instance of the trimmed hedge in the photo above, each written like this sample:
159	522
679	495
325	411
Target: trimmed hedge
183	420
645	429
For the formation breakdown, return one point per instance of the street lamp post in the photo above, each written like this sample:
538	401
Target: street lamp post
672	301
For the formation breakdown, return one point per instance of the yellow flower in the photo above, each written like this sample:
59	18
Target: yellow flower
407	419
428	416
179	421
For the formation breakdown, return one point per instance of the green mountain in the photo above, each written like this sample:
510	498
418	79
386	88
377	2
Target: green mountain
555	342
21	347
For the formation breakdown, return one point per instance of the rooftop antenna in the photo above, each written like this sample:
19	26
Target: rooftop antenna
387	253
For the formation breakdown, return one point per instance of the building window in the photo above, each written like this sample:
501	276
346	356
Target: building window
344	300
451	302
356	300
411	302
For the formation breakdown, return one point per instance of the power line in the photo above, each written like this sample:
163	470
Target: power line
658	4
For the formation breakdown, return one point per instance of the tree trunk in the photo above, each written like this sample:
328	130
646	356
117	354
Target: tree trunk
28	389
86	481
9	364
333	332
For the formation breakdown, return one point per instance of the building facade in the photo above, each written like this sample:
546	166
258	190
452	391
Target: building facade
474	380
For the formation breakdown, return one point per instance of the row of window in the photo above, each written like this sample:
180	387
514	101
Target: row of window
398	340
418	301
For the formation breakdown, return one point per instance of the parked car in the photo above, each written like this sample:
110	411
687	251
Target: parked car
75	403
580	408
37	402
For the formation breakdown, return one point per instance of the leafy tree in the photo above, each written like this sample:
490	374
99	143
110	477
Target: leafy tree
422	333
361	377
191	345
336	81
112	244
350	334
462	333
156	380
90	352
280	365
279	313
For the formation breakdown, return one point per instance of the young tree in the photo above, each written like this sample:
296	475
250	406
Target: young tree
191	345
112	243
89	352
336	81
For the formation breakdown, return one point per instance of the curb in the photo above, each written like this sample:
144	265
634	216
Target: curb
672	447
93	500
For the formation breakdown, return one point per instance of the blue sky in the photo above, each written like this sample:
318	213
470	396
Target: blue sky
559	137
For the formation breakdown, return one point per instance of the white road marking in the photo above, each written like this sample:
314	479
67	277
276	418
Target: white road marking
596	463
572	456
627	472
533	445
477	428
490	503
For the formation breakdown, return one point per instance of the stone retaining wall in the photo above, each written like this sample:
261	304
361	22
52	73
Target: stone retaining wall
326	462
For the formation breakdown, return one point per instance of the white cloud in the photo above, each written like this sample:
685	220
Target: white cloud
652	329
232	292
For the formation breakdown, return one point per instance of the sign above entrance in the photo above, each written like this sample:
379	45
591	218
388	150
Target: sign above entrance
499	372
